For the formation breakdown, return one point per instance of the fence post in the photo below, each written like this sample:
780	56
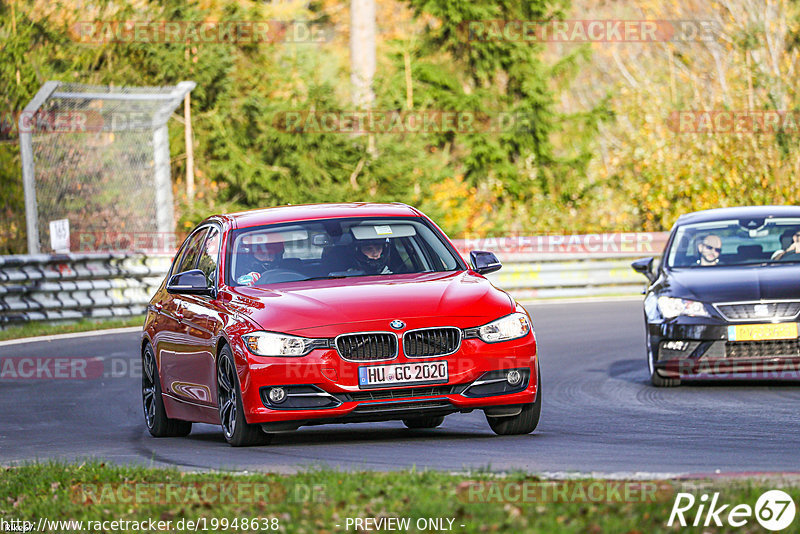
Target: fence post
26	153
163	197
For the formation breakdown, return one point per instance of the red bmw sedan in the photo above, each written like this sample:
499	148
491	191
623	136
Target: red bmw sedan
273	319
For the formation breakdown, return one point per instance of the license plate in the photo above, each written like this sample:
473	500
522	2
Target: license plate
759	332
402	373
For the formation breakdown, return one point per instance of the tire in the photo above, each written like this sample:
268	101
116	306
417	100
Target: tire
235	428
655	378
660	382
524	422
424	422
155	415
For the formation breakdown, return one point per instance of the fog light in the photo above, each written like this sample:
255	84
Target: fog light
277	395
676	345
514	377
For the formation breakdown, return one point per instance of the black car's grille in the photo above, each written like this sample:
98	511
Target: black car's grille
367	347
430	342
759	310
763	349
404	393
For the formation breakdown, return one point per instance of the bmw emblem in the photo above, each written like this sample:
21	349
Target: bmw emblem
397	324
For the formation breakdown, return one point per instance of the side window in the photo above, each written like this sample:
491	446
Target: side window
209	256
190	251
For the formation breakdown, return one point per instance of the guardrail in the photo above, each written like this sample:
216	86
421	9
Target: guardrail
74	286
558	266
572	278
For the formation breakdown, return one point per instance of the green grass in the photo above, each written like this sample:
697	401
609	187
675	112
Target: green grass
84	325
317	500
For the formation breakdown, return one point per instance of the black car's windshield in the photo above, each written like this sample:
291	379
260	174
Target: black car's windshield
335	248
735	242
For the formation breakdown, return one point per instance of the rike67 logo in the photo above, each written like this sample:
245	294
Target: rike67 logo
774	510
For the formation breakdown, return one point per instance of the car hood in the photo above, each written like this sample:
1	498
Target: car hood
731	284
321	307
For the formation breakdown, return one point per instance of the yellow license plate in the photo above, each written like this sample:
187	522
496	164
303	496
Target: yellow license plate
760	332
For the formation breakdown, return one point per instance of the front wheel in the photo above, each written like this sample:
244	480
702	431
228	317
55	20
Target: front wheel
655	378
524	422
231	413
155	415
660	382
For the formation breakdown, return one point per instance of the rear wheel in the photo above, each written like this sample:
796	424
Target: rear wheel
524	422
231	413
424	422
155	415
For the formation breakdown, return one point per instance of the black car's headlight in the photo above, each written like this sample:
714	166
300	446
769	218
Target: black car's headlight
506	328
672	307
273	344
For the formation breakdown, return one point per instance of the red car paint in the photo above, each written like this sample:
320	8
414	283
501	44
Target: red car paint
187	331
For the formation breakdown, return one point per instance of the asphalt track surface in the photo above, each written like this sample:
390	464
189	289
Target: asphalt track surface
600	416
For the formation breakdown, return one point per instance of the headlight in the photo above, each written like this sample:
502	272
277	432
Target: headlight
269	344
672	307
509	327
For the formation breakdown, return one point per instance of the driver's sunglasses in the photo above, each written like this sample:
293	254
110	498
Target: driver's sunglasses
796	235
715	249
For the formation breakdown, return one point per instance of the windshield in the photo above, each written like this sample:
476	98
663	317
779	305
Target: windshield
335	248
736	242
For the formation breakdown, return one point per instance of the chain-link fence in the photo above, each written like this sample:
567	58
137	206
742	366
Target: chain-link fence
99	158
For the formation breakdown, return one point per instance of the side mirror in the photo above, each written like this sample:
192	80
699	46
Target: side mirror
484	262
190	283
645	267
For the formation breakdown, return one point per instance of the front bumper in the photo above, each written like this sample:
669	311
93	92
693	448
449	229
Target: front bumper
699	349
329	383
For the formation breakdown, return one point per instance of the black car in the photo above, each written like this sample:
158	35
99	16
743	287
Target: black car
725	298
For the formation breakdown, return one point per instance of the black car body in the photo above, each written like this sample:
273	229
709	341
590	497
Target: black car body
724	300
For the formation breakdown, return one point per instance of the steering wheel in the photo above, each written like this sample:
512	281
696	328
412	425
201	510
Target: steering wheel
276	276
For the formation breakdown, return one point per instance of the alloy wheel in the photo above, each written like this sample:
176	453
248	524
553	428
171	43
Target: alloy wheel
227	396
149	387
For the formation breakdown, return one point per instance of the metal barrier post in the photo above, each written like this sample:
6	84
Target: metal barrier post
26	152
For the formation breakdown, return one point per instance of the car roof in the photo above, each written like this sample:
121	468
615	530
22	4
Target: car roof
305	212
741	212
